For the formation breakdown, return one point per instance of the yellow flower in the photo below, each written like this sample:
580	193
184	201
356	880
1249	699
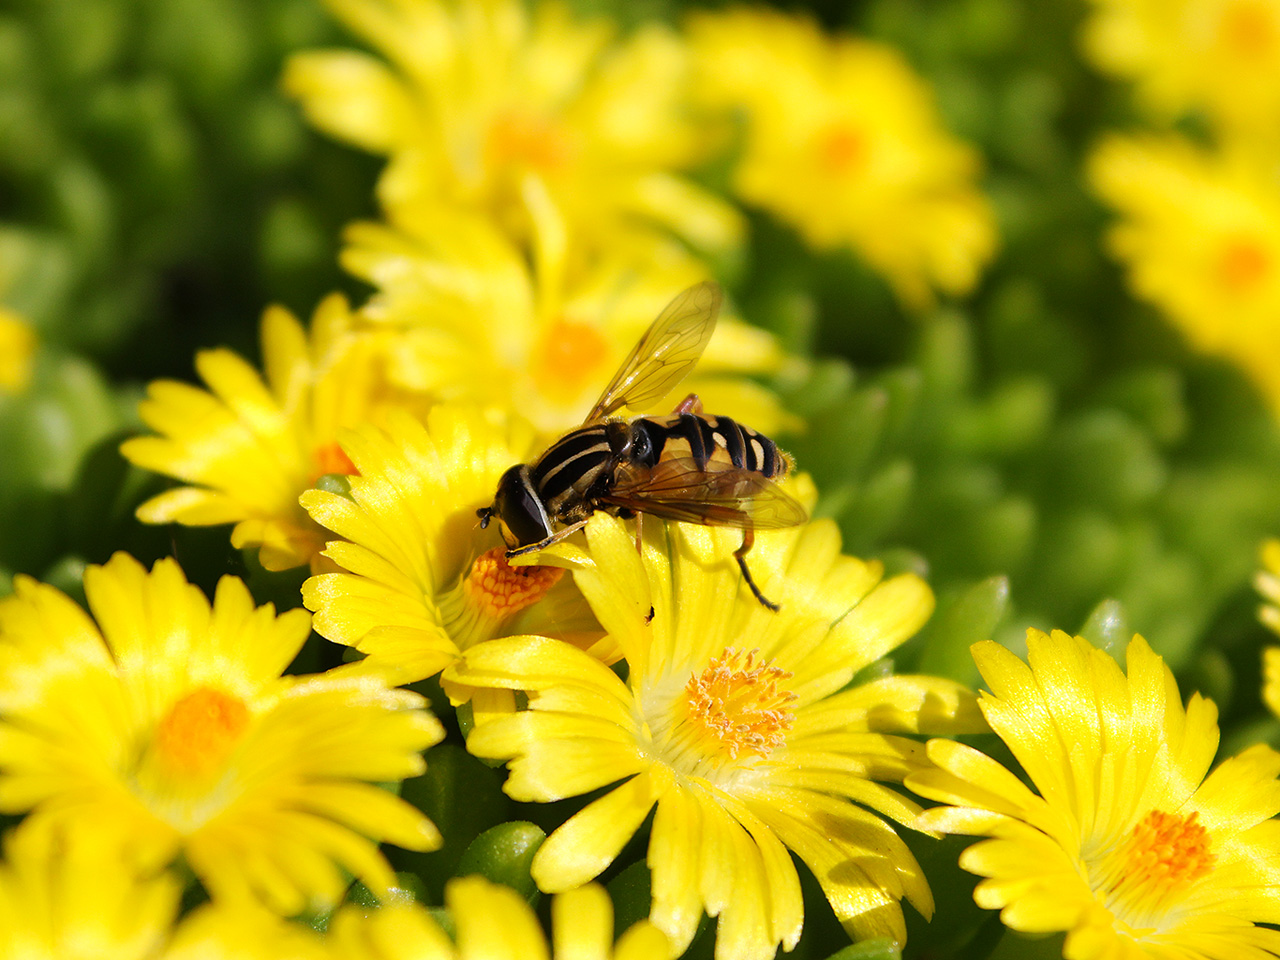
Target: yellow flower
1268	583
733	721
481	97
1201	239
167	725
67	894
420	581
844	142
17	351
1128	846
247	447
473	321
243	931
493	922
1218	56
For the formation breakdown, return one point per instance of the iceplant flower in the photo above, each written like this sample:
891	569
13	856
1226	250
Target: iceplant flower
66	893
1128	846
1218	57
1199	236
249	444
163	721
471	100
243	931
844	142
475	318
734	722
417	581
581	929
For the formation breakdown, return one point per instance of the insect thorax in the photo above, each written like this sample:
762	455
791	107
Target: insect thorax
577	467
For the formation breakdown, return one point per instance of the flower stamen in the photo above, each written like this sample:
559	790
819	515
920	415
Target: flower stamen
500	590
1249	29
490	594
520	137
736	706
1243	265
841	148
1162	856
196	737
569	356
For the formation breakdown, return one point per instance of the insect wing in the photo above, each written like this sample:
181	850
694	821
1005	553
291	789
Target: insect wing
669	349
713	495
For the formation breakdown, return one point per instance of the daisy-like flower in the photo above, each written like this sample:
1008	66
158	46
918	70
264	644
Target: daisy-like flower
1268	583
1200	236
243	931
17	351
247	448
1127	847
734	722
473	320
419	580
166	725
67	894
493	922
1217	56
844	142
481	97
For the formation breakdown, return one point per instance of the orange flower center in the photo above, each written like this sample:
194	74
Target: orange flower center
529	139
498	590
331	458
841	148
1249	29
1243	264
569	356
737	705
1160	858
199	732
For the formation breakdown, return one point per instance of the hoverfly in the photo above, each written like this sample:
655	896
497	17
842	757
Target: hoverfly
687	465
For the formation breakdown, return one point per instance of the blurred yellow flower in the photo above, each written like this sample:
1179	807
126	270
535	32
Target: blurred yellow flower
481	97
494	923
420	581
68	894
243	931
844	142
1267	581
1200	235
473	321
1221	57
734	721
17	351
1128	847
248	448
166	724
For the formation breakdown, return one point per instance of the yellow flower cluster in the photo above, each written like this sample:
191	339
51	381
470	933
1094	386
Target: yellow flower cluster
1128	846
844	142
541	206
1220	58
1200	219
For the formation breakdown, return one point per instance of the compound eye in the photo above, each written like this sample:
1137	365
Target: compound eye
524	520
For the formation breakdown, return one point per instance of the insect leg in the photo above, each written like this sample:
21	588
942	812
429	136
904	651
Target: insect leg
690	404
639	531
748	538
546	541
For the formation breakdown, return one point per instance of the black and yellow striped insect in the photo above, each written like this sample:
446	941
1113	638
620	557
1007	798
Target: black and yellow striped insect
687	465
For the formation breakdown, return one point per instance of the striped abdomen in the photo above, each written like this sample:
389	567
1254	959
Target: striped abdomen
706	437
